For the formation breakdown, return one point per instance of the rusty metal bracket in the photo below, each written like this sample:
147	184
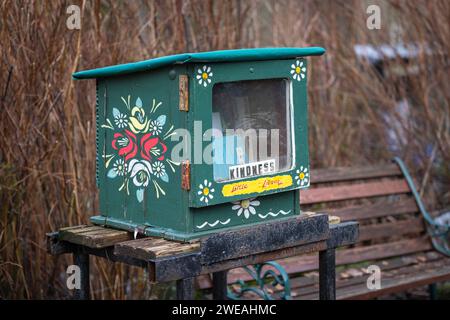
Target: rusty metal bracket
183	92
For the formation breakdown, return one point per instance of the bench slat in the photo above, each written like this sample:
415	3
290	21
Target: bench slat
399	284
394	280
354	191
354	173
376	210
303	286
308	287
389	229
401	280
381	251
348	256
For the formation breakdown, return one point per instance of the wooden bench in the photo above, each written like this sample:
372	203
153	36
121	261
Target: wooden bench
393	236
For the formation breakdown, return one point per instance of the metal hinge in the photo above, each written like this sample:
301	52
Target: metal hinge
183	88
185	175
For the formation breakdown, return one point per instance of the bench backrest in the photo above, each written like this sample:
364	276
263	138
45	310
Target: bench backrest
379	198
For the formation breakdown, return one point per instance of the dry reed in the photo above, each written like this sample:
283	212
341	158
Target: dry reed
47	153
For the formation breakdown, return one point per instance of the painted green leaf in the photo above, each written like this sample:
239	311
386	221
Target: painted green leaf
112	173
140	195
115	112
161	120
165	177
139	102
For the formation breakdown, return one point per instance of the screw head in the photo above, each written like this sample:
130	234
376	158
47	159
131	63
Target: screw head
172	74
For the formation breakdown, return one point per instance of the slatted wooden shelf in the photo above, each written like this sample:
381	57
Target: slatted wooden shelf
168	260
226	245
93	236
153	248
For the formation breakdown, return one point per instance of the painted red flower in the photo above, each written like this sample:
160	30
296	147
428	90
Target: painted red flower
126	144
151	145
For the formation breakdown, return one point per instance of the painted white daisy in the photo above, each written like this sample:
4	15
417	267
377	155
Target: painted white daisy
205	191
246	206
159	169
120	119
298	70
204	75
302	176
120	167
155	127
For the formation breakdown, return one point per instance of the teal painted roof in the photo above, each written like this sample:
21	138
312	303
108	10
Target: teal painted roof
256	54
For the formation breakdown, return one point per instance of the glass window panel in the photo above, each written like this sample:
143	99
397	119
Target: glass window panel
251	123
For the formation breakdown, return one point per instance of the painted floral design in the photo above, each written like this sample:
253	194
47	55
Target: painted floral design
119	167
245	207
298	70
155	127
204	76
125	144
205	191
302	176
138	121
139	149
159	170
120	119
152	147
140	171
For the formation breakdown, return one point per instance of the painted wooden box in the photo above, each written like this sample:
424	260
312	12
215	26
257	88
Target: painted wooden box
196	143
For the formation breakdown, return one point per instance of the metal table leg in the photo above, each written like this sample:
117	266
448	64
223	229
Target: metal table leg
327	274
82	261
220	285
185	289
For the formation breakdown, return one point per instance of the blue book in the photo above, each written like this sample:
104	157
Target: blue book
228	151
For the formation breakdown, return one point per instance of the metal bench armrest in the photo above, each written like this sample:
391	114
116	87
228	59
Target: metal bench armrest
438	232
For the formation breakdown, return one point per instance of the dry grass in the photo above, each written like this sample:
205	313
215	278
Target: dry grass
47	152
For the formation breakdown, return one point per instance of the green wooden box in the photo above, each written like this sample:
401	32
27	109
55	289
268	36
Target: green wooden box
171	160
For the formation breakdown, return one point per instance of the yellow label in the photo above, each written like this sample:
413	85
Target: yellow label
256	186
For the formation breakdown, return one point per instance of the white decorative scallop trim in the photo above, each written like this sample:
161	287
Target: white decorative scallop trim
215	223
264	216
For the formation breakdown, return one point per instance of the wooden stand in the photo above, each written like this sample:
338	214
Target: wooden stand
170	260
